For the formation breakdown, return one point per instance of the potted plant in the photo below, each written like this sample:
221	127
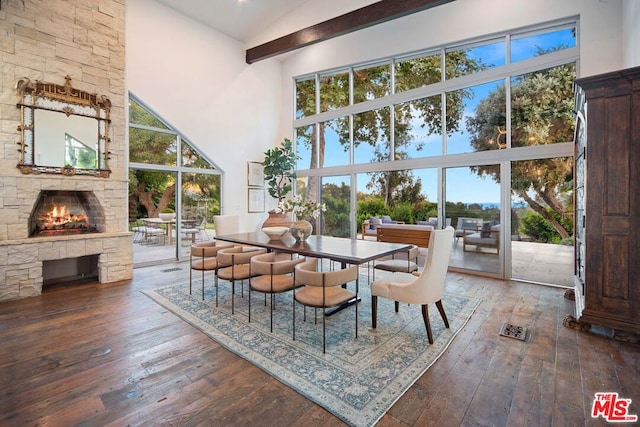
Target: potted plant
279	173
167	214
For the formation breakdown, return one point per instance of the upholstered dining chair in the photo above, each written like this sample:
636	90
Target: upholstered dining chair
423	289
226	224
271	276
323	289
396	264
203	258
234	264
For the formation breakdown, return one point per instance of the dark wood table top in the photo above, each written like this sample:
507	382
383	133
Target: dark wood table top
349	251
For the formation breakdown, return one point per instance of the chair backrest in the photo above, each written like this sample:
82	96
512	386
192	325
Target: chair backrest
306	274
429	286
226	224
469	223
208	249
435	219
266	264
237	255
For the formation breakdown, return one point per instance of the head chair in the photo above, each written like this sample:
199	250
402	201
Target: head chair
424	289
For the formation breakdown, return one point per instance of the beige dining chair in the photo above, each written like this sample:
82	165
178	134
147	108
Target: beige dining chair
423	289
271	276
226	224
323	289
397	263
203	258
234	264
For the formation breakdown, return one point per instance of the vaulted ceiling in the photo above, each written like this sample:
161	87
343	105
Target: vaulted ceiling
239	19
244	19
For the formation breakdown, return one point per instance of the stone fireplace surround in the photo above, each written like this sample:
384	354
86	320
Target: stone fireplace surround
85	40
22	257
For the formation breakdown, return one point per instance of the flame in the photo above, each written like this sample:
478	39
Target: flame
59	217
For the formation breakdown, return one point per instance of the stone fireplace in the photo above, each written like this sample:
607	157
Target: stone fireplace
90	238
28	258
59	213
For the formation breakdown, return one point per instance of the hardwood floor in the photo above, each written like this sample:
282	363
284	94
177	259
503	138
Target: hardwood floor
93	355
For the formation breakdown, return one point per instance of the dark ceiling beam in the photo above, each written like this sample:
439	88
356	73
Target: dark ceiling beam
376	13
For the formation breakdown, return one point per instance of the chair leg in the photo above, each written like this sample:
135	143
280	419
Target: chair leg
190	275
374	311
425	316
271	313
324	320
397	305
293	304
444	316
249	300
216	285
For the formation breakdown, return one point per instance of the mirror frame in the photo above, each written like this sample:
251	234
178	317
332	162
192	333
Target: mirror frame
70	101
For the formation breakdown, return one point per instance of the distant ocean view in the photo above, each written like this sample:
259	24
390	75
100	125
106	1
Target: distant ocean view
495	205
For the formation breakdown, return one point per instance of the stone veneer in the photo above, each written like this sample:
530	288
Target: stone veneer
47	40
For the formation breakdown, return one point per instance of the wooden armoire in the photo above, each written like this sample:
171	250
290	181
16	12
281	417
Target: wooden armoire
607	200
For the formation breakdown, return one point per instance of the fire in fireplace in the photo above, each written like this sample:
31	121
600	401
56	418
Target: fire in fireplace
59	218
66	212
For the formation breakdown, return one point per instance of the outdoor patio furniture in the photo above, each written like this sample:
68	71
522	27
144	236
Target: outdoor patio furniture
467	226
487	237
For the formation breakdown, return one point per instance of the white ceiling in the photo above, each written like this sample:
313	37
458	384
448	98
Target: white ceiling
240	19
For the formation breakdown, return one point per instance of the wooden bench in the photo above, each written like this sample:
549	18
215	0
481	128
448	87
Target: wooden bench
418	235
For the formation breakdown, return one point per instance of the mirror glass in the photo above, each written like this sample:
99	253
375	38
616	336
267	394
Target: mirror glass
64	130
63	140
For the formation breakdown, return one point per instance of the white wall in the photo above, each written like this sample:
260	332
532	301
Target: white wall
600	35
631	32
197	79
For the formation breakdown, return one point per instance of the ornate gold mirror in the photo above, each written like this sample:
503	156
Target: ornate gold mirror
64	130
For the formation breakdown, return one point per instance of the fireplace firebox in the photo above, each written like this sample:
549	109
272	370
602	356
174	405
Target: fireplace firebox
58	212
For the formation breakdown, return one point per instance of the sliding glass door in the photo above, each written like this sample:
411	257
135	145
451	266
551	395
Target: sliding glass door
473	203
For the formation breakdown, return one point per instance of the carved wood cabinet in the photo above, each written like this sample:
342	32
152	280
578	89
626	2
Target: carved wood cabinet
607	200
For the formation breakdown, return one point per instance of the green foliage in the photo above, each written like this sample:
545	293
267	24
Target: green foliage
541	113
422	211
371	206
403	212
279	169
539	229
336	217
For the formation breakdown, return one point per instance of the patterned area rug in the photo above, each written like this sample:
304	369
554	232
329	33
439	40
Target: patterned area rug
358	379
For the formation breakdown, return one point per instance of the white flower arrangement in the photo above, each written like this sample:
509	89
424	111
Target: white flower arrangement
300	208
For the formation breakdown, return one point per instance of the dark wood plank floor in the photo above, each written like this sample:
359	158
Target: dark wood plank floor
94	355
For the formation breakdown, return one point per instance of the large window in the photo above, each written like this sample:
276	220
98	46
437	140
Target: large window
167	174
472	114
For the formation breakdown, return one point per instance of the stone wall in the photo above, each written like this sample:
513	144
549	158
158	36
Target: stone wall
48	40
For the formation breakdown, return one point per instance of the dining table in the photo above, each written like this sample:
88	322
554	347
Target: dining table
339	249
